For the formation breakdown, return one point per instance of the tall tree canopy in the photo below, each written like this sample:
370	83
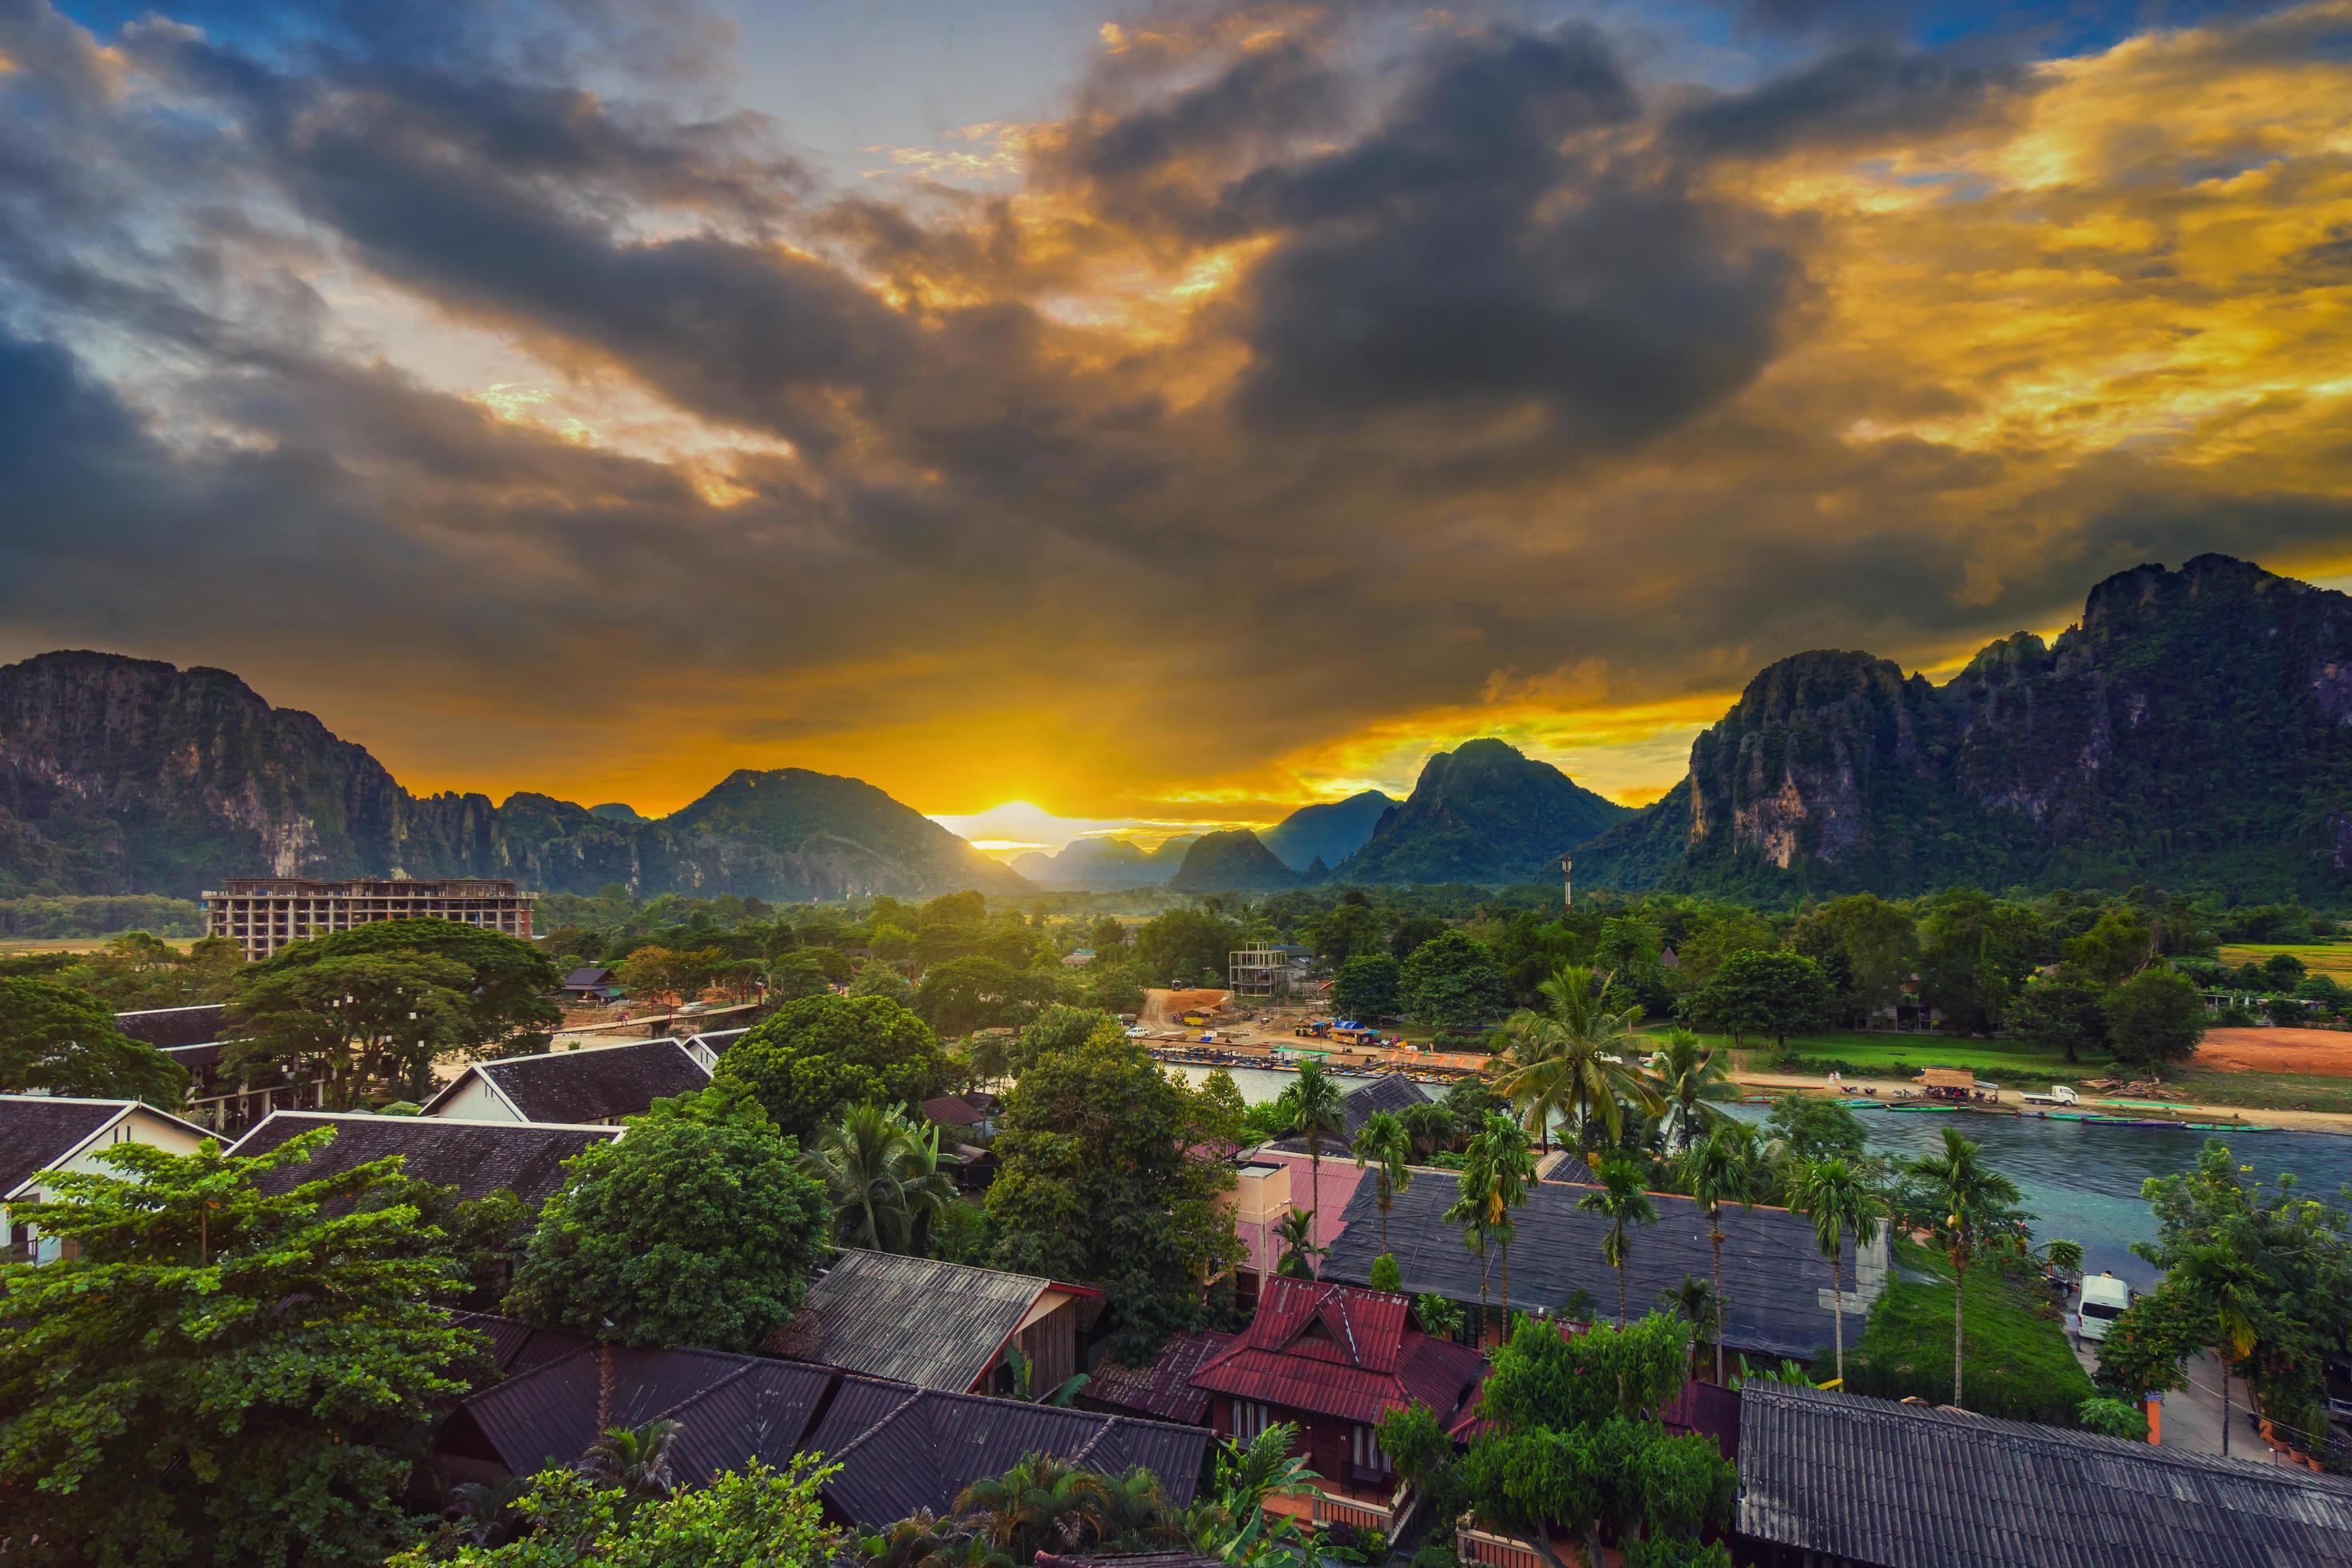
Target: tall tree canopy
59	1040
811	1057
1452	982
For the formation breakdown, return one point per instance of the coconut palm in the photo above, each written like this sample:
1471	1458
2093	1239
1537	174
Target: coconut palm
2227	1293
1552	1063
489	1513
1689	1077
1135	1512
1431	1127
634	1459
1623	1199
1041	1504
883	1174
1300	1254
1967	1195
1510	1159
1693	1300
1314	1109
1842	1203
1383	1144
1719	1169
921	1540
1474	1201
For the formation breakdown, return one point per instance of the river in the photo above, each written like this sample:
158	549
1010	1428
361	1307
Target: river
2079	1181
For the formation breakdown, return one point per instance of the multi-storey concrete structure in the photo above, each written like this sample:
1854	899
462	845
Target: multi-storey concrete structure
262	914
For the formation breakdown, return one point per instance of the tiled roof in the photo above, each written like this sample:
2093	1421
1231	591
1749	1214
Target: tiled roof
1391	1091
1342	1351
478	1158
1774	1279
904	1450
1903	1487
37	1130
911	1319
590	1085
165	1027
1165	1388
517	1346
1566	1165
953	1110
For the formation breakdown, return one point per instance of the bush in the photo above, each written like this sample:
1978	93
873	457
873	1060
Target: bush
2113	1418
2019	1366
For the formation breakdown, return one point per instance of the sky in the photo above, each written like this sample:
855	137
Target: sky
1082	418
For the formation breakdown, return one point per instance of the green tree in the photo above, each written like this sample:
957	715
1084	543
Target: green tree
1097	1180
1452	982
369	1024
2061	1011
222	1374
1299	1257
798	976
1503	1149
881	1174
1688	1083
2118	947
1383	1144
879	979
1878	942
1719	1169
1975	951
1968	1196
59	1040
2154	1018
810	1058
977	992
510	979
1366	986
721	1259
1349	930
1181	943
774	1517
1556	1060
1762	991
1842	1203
1694	1302
1313	1107
1622	1199
1803	1127
1386	1275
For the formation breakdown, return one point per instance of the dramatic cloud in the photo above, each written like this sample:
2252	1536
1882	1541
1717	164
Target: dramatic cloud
1305	388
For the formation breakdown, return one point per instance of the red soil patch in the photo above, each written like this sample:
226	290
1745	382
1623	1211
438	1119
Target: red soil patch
2326	1053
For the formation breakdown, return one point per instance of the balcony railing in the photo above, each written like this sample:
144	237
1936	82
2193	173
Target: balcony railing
1473	1545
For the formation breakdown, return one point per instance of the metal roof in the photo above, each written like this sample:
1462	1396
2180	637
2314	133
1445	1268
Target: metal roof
165	1027
478	1158
912	1319
1775	1281
1165	1387
37	1130
1900	1486
590	1085
904	1450
516	1346
546	1415
1391	1091
1335	1351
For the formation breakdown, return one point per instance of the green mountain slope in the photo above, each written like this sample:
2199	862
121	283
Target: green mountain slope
1329	831
1233	860
1481	813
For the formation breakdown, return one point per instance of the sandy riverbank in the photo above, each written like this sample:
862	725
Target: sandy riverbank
2301	1121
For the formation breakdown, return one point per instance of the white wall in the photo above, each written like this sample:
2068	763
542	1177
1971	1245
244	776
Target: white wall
475	1102
140	1126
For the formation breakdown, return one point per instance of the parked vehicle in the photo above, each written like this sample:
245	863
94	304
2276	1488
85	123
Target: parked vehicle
2059	1095
2105	1297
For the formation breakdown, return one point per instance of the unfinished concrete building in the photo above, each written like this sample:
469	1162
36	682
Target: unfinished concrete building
263	914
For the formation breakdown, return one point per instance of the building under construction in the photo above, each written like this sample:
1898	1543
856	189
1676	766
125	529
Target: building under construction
1267	970
262	914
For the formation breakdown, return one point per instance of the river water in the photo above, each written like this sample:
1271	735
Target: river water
2079	1181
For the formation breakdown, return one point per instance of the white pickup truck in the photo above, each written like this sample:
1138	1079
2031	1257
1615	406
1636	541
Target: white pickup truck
2059	1095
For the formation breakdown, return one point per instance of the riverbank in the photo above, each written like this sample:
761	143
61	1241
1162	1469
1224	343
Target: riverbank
2202	1110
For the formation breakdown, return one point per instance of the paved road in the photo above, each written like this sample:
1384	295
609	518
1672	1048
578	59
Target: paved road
2192	1415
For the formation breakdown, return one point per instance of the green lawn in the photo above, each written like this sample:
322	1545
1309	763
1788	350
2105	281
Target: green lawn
2020	1365
2329	958
1883	1054
2266	1090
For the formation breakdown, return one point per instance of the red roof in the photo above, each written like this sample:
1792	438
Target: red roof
1336	1349
953	1110
1165	1387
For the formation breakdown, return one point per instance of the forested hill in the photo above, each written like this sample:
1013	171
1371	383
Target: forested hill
128	775
1481	813
2193	729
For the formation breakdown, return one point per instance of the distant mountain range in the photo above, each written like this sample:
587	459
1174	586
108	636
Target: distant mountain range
1103	865
127	775
1302	848
1329	831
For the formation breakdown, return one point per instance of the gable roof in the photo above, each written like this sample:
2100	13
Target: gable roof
517	1346
1391	1091
1165	1388
1904	1487
39	1131
903	1449
586	1085
165	1027
476	1157
588	976
953	1110
1775	1280
1336	1351
911	1319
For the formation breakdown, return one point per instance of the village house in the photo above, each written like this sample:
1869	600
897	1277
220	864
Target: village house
476	1158
938	1325
1334	1360
55	1132
711	1043
594	983
596	1085
226	1097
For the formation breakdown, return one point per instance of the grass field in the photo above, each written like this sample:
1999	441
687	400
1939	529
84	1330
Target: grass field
2333	959
2266	1090
73	943
2020	1365
1876	1055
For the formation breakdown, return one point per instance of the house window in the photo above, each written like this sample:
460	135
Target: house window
1250	1418
1368	1454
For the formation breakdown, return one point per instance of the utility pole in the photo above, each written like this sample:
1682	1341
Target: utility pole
1567	883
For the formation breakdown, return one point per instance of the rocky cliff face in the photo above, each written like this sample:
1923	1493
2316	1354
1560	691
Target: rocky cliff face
129	776
2194	727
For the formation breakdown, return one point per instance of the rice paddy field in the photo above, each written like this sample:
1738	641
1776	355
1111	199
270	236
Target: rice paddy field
2333	959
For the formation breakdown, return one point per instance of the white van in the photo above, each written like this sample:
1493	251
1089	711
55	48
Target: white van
2105	1297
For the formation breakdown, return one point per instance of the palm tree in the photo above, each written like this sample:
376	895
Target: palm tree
2228	1293
1693	1300
1553	1062
1689	1077
1840	1201
1720	1168
1382	1143
1623	1199
1473	1201
489	1512
1041	1504
1246	1474
1431	1125
1969	1194
883	1174
1300	1253
635	1459
1510	1159
1314	1109
921	1540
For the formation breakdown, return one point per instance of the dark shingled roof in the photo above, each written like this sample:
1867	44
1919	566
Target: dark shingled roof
903	1449
1773	1277
165	1027
912	1319
1391	1091
733	1408
517	1346
478	1158
1336	1351
1904	1486
1165	1387
1568	1166
953	1110
590	1085
37	1130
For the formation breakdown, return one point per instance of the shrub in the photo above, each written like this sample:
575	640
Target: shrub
2113	1418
